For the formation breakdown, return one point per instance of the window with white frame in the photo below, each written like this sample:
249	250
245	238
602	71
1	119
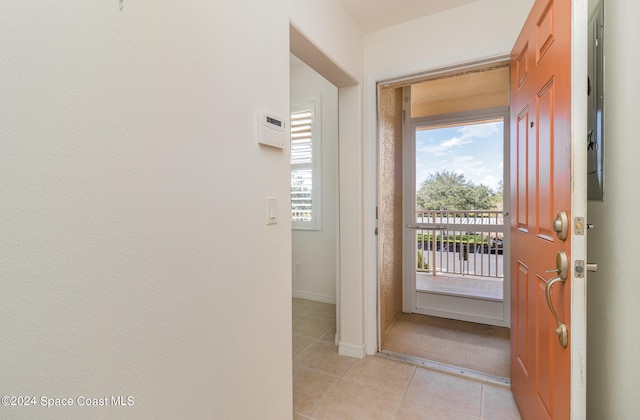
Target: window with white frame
305	165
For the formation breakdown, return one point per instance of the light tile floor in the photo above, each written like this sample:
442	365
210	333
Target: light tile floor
329	386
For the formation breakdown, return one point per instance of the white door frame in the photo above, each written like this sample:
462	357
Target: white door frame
350	295
579	66
372	82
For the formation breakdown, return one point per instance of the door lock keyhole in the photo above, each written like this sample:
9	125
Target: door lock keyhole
561	225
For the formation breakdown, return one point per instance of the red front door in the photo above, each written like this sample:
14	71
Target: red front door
541	189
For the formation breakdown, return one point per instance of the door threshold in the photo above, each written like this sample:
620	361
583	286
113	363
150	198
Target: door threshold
461	295
467	286
446	368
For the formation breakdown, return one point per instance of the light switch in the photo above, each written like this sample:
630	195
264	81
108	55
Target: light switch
272	210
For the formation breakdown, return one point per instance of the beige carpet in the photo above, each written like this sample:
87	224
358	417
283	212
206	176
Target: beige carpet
482	348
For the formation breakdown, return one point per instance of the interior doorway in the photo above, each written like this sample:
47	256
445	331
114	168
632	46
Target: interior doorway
442	265
314	208
351	248
314	184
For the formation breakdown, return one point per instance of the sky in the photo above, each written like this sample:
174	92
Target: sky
476	151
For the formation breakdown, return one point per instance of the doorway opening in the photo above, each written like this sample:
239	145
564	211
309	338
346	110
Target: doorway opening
314	205
350	173
443	217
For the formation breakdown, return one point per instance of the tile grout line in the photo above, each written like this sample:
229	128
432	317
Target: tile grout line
434	404
315	340
482	401
406	389
305	349
340	378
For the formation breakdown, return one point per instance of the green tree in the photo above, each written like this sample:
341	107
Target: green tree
450	191
498	197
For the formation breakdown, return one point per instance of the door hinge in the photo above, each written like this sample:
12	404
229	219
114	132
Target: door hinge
376	213
376	231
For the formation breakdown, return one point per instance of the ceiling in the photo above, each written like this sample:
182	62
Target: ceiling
371	15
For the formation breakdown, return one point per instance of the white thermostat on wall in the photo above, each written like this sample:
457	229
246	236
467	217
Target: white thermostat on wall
272	131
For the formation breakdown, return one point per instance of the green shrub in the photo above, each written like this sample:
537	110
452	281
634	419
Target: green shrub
421	264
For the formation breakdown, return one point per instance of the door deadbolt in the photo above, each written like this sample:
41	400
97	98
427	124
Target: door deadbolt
561	225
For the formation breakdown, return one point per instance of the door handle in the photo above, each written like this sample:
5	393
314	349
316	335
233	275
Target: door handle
561	330
562	265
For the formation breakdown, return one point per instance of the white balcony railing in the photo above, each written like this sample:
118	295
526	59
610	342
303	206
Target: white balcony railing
460	242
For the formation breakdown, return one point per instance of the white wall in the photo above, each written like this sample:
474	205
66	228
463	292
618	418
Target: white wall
135	256
314	251
613	371
480	30
328	27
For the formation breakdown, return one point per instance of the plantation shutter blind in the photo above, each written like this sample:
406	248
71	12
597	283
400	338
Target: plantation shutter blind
301	141
302	166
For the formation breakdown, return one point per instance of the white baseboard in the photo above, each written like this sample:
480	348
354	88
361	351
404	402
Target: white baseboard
351	350
318	297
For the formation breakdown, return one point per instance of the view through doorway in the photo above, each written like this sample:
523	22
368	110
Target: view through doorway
443	220
455	213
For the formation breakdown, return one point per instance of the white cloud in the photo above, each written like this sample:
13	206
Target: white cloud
465	160
464	151
456	141
480	131
492	182
434	150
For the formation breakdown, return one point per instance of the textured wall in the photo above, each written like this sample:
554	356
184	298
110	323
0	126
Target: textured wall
390	212
135	259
